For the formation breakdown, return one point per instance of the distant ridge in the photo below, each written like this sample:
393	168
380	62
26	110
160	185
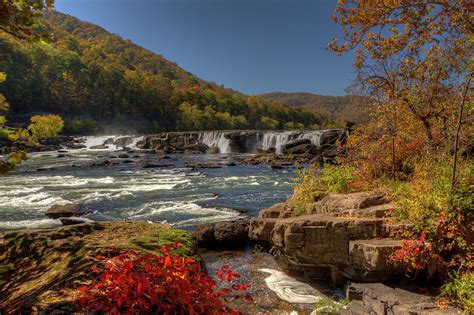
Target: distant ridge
336	108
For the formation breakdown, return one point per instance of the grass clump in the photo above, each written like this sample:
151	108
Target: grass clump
330	306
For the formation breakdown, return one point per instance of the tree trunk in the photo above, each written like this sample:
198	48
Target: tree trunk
456	136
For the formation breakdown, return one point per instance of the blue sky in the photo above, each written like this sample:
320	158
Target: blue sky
254	46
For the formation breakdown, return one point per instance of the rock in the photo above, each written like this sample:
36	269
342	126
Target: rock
99	147
62	155
127	161
227	233
213	150
377	298
68	210
124	156
63	151
295	143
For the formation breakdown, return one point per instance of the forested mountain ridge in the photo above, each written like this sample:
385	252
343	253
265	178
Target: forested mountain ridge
335	108
88	75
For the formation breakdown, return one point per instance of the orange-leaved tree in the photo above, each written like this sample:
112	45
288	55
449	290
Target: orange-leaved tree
412	58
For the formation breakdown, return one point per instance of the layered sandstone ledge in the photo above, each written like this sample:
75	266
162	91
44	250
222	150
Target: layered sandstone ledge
347	238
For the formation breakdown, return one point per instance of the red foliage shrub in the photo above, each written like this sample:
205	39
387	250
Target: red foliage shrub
133	282
418	255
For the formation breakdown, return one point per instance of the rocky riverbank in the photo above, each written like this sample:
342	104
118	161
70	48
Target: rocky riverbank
345	238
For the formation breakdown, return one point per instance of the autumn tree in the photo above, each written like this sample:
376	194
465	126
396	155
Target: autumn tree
45	126
412	59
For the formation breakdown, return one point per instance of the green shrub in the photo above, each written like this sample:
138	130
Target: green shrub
314	183
460	290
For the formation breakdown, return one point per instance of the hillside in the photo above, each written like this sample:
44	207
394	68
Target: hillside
96	79
336	108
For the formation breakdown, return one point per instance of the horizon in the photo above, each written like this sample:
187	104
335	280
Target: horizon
266	55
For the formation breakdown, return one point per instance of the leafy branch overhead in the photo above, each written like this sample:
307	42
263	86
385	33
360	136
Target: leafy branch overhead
19	18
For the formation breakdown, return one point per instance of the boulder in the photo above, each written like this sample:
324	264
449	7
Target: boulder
227	233
64	211
124	156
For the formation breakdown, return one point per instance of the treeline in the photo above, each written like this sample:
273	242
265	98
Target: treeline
91	78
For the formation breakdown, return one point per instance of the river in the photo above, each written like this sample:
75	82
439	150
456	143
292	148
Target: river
177	195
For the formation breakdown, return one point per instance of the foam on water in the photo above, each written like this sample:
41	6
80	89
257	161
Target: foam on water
290	289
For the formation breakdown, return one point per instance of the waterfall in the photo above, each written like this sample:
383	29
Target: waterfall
277	139
215	139
128	141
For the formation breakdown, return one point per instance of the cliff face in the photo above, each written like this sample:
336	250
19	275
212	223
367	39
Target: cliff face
347	238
